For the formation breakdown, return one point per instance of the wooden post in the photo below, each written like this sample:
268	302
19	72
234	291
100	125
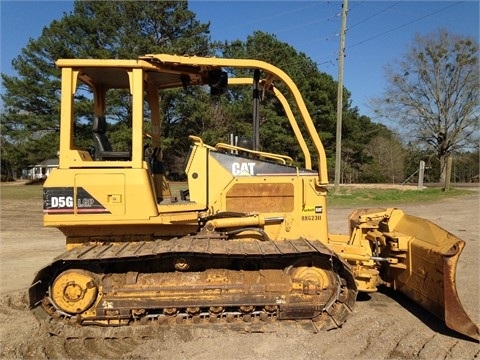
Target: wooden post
421	172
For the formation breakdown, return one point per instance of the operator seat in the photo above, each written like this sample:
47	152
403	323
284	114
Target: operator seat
103	149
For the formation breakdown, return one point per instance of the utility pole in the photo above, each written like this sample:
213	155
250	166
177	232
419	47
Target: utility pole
256	111
341	56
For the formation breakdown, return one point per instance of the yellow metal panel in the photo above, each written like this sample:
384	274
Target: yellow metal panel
137	121
107	188
66	114
197	174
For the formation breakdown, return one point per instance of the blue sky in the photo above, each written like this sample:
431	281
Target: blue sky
378	32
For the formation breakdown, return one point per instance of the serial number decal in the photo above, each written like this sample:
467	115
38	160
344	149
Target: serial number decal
311	217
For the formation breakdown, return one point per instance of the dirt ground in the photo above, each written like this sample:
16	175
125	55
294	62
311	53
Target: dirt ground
382	326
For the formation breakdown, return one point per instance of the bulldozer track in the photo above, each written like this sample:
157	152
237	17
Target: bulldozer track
120	260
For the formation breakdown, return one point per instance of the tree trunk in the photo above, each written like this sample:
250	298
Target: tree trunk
446	174
443	169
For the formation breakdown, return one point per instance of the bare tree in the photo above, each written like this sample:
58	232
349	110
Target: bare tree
388	156
433	94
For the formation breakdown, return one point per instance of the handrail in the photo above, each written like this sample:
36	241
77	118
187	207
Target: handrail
271	70
288	111
280	158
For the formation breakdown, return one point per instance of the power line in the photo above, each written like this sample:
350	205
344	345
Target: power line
336	15
261	20
372	16
404	25
330	37
309	23
264	19
392	29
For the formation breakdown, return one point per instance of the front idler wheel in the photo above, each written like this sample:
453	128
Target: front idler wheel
74	291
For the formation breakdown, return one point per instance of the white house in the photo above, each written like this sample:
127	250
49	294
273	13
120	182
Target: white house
41	170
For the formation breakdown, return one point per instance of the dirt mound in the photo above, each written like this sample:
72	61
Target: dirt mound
24	336
380	328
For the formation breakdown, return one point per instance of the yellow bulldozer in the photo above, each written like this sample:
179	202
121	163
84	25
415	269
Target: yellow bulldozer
246	241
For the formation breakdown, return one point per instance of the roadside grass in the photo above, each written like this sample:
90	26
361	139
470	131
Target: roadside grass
346	197
365	197
9	191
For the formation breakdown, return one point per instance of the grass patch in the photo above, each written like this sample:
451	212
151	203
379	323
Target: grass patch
381	197
20	192
346	197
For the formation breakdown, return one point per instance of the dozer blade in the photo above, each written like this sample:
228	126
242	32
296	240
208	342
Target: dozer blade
428	257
